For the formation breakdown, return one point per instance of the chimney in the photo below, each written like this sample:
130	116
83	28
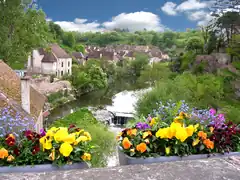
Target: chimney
25	93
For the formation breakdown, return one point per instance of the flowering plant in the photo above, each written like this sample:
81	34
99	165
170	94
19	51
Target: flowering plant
183	136
22	151
13	122
67	145
57	146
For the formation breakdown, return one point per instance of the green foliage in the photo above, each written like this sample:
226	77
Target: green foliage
234	47
194	44
88	78
153	73
198	91
56	31
101	136
186	60
69	39
80	48
21	32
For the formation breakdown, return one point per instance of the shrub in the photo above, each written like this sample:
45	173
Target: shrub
101	136
199	91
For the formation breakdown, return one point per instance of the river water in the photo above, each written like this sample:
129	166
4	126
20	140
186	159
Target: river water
98	100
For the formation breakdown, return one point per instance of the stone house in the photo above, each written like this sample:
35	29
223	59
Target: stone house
53	60
17	93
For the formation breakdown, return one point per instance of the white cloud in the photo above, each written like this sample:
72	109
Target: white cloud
81	25
198	15
170	8
207	18
135	21
192	5
48	19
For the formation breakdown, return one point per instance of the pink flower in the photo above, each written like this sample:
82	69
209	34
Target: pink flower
221	117
212	111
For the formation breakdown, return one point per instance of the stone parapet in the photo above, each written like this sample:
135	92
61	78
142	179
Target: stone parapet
210	169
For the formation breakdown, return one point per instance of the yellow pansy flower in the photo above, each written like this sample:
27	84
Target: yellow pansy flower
81	139
86	157
61	134
190	130
54	129
79	132
70	138
46	143
50	133
167	150
52	155
195	142
162	133
178	119
87	134
181	134
145	134
152	122
66	149
196	127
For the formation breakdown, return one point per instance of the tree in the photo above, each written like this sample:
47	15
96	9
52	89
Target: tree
80	48
22	29
87	78
153	73
139	64
56	30
69	39
194	44
234	47
220	6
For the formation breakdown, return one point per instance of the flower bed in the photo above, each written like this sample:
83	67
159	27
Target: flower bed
57	149
170	137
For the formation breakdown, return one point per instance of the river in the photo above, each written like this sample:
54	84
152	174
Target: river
104	99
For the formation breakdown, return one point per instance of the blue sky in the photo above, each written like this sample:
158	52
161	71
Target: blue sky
100	15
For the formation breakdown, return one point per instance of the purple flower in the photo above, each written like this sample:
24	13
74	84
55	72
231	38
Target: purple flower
221	117
142	126
42	132
212	111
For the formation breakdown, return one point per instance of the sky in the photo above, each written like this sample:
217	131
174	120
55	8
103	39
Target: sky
104	15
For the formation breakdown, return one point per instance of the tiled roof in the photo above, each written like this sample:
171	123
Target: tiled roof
48	56
10	92
10	83
55	52
78	55
59	52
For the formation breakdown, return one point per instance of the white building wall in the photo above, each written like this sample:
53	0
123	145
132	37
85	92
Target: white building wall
64	66
48	68
36	61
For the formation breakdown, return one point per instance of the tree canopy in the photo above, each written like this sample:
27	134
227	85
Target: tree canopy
23	28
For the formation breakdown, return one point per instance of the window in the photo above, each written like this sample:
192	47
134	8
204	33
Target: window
62	64
68	71
68	63
61	73
56	73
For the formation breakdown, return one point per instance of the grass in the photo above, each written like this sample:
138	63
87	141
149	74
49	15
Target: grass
102	138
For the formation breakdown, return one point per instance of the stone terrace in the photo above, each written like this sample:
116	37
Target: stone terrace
211	169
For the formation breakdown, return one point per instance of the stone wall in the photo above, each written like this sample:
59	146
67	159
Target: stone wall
210	169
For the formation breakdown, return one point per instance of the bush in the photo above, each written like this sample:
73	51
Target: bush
198	91
101	137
